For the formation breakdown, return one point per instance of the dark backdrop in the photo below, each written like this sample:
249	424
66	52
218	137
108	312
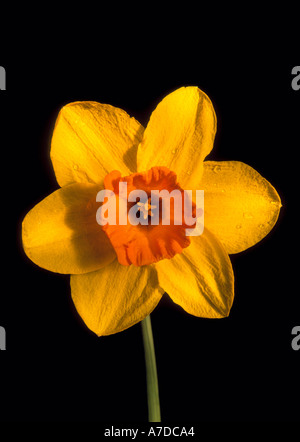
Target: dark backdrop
241	368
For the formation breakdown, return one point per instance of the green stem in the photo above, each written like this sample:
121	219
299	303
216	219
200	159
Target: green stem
151	373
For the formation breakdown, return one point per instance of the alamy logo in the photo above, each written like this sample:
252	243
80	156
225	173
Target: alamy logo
153	209
2	79
2	338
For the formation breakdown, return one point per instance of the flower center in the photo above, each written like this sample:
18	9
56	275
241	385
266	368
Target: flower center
145	208
146	236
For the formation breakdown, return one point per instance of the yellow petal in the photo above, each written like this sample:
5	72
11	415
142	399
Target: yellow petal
91	139
240	206
179	135
200	279
115	297
61	233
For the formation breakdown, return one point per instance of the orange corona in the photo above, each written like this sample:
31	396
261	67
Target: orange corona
147	242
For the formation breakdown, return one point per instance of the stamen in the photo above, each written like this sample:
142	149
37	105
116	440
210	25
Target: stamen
145	208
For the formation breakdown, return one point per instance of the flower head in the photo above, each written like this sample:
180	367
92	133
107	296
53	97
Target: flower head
120	271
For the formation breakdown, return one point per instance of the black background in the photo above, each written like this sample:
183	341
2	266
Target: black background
241	368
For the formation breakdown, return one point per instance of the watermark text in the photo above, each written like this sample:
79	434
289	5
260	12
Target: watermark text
158	207
2	79
2	338
296	78
296	340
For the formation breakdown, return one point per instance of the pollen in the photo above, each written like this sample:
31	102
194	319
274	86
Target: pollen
145	208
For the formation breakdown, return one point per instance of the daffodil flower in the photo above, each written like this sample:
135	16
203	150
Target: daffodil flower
119	273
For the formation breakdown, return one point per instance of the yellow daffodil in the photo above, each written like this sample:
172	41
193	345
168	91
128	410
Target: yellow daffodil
119	273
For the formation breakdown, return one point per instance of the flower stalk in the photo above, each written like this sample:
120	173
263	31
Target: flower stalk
151	372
